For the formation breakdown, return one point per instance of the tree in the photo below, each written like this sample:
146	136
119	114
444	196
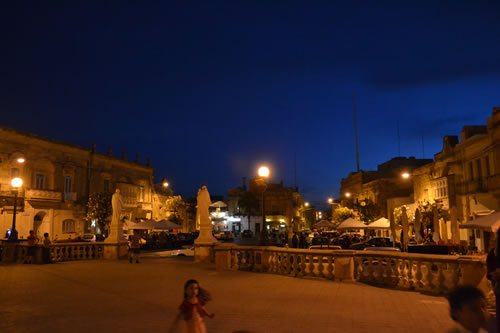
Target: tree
175	204
100	210
426	209
248	205
398	213
367	210
342	213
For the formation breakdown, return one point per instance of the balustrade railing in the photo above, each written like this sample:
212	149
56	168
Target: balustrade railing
430	273
64	252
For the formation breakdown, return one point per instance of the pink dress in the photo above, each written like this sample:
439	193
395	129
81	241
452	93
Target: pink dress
193	314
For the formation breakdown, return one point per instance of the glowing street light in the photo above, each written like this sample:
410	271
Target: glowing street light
16	184
306	204
405	175
330	200
347	194
20	160
264	171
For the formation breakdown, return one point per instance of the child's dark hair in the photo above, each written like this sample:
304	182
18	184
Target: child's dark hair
463	295
46	234
202	293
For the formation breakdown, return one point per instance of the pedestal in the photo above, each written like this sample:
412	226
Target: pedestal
9	252
204	244
115	250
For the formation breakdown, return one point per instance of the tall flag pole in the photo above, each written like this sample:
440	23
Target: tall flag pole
355	132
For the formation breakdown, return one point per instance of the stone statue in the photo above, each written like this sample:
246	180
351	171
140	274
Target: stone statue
117	205
203	204
116	227
205	240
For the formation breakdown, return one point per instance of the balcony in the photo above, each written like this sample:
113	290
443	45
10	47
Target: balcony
43	195
69	196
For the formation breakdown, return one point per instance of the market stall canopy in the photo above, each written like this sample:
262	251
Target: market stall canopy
324	224
488	222
381	223
169	225
351	223
218	204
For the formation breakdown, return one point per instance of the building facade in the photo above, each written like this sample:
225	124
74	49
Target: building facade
383	184
283	207
465	174
57	181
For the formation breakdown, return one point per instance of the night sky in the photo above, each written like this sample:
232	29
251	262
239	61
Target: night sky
211	89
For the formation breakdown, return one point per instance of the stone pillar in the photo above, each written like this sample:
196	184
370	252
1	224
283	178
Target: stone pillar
223	256
203	245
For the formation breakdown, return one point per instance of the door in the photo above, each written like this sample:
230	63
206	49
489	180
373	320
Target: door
257	228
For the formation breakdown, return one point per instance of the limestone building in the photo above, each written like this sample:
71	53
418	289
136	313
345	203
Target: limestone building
466	173
284	207
383	184
57	181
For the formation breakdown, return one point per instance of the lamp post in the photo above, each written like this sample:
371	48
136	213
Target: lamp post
263	173
165	183
16	184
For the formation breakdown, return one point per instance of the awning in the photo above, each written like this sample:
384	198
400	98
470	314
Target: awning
218	204
381	223
169	224
490	223
324	224
351	223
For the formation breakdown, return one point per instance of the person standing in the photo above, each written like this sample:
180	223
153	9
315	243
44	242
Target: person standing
32	240
295	241
192	309
46	249
135	247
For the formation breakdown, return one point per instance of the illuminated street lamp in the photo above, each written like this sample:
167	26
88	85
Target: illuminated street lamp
164	183
306	204
16	184
405	175
330	200
20	160
347	194
263	172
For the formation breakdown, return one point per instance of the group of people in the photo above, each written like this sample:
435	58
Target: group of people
33	241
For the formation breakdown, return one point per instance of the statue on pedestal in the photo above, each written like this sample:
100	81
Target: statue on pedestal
202	213
116	227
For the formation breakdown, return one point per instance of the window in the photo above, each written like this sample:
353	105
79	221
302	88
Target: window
14	172
106	185
68	226
471	171
141	194
39	181
441	188
68	184
479	170
487	164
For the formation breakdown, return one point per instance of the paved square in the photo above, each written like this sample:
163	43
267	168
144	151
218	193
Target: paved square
115	296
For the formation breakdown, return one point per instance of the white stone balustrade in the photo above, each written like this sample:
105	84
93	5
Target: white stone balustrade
430	273
64	252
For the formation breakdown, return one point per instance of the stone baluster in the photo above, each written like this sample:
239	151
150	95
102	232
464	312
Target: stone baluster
302	265
379	270
430	277
311	265
418	275
452	281
388	271
329	267
320	266
441	287
368	269
411	280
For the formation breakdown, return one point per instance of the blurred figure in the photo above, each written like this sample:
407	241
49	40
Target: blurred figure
468	310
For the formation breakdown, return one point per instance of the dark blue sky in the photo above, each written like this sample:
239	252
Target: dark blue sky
211	89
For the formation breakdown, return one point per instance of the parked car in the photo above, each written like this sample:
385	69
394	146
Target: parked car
185	252
390	249
325	247
225	236
247	233
373	242
89	238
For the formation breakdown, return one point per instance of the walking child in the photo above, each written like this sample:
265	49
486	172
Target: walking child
192	308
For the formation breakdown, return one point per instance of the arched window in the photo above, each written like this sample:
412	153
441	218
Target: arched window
68	226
